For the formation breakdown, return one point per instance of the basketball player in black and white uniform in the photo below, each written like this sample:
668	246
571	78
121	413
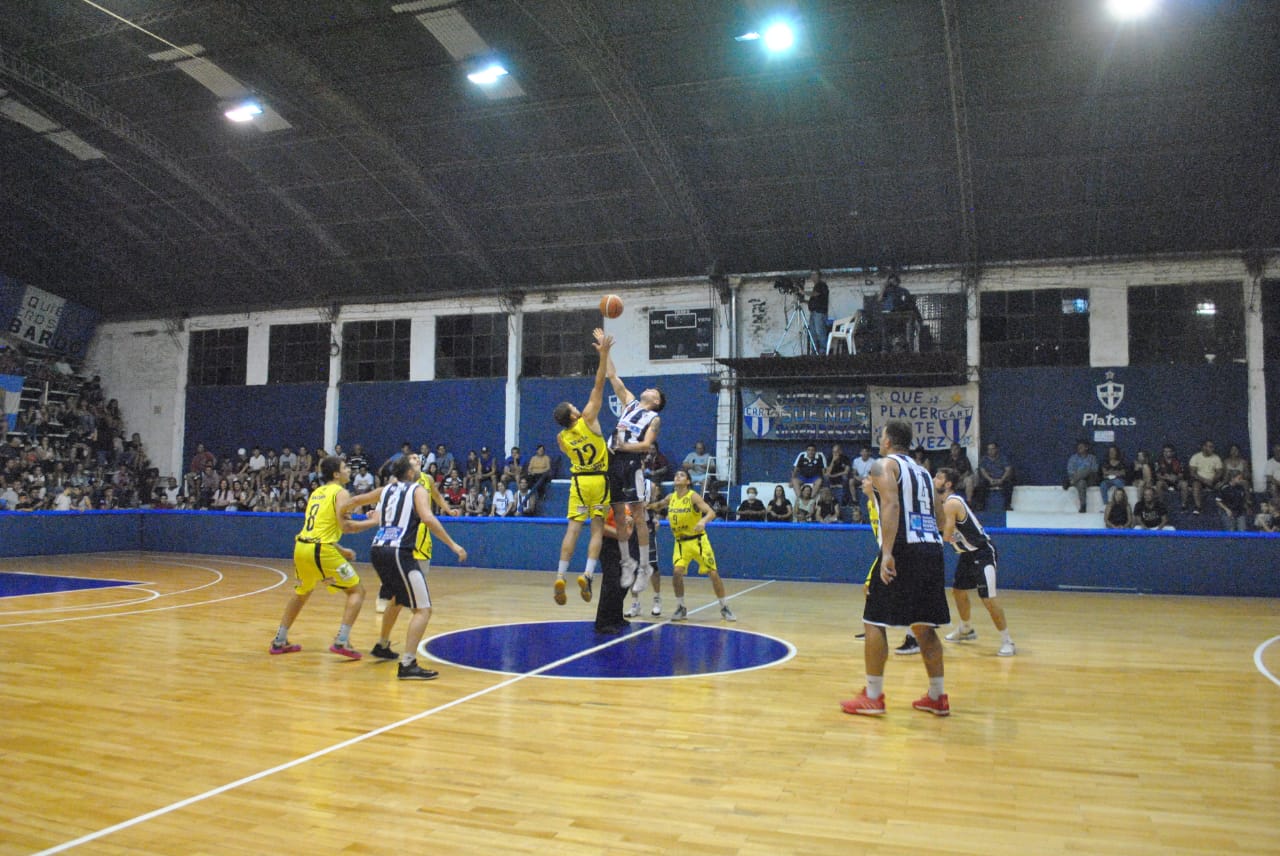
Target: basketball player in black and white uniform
631	441
403	538
910	588
977	566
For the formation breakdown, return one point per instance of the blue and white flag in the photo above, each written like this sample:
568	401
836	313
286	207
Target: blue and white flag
12	387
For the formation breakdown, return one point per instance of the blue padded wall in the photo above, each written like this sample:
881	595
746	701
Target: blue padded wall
462	414
1120	561
1035	414
690	414
225	418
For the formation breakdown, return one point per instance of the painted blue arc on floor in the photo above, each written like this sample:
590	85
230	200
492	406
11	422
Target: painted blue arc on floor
13	585
645	651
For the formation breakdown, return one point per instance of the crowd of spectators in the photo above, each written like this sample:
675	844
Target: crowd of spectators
68	449
1206	483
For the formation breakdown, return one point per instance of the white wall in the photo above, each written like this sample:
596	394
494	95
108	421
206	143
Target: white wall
144	366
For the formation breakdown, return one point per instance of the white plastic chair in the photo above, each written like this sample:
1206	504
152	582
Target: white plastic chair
842	331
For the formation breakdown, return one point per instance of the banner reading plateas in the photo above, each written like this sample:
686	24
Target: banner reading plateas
834	415
939	415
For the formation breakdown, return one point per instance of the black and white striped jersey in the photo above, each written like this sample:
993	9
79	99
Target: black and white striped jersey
398	519
917	523
970	536
632	424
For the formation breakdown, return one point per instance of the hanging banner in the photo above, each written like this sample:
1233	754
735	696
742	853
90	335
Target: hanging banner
11	389
35	317
832	414
939	415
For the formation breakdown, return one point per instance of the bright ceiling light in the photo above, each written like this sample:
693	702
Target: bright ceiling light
1128	10
244	112
1206	307
779	36
488	75
747	37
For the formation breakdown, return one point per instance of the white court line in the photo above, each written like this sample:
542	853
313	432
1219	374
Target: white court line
283	579
360	738
1257	660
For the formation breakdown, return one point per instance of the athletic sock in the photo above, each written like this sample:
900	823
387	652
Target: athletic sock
1005	637
344	635
407	658
592	566
680	601
875	686
385	643
282	636
561	568
935	689
723	603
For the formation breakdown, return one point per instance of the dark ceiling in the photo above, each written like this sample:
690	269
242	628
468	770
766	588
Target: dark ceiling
648	144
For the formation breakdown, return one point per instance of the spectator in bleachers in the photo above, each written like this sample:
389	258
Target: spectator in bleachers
526	500
1264	520
223	497
1204	472
257	460
1114	473
657	467
1235	462
779	510
805	504
921	456
363	482
715	498
751	508
451	487
1169	474
1141	473
25	502
1235	503
1150	512
958	461
1082	472
305	462
108	501
288	460
540	471
444	458
995	472
1273	475
357	457
1117	514
203	458
433	472
836	475
826	509
477	504
488	470
513	468
807	469
504	501
697	464
8	496
471	470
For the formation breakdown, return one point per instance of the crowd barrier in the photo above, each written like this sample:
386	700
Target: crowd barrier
1186	563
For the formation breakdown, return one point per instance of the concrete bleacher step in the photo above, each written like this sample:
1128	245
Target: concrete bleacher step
1020	519
1053	499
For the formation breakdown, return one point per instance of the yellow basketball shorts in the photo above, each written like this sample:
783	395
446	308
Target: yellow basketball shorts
588	496
695	550
314	564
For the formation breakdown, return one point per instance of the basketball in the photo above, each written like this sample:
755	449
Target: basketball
611	306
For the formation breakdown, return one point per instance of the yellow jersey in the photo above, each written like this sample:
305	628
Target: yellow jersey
422	546
683	515
873	517
585	449
321	525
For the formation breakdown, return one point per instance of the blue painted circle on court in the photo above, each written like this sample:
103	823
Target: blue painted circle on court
572	649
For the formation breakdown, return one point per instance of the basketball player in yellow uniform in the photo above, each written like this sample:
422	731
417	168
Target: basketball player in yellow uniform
583	444
319	558
689	514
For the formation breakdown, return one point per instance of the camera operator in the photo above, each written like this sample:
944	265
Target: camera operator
818	302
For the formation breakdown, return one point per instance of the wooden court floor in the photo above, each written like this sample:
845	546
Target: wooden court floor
150	720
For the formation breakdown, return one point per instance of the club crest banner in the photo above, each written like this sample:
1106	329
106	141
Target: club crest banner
774	414
939	415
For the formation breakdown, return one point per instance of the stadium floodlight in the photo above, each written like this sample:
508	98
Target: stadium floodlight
1129	10
489	75
779	36
244	112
